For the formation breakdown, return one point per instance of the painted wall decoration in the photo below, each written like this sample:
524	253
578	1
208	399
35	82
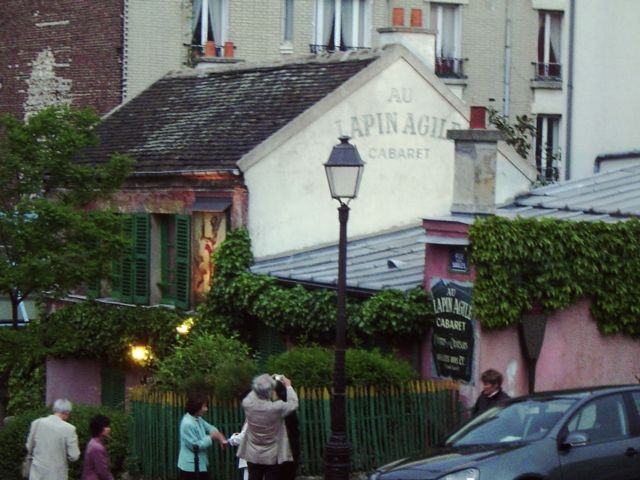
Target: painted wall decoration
207	232
452	341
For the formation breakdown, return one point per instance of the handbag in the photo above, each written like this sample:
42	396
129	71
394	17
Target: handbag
25	468
26	465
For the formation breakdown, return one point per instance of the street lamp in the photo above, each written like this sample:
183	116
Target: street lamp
344	172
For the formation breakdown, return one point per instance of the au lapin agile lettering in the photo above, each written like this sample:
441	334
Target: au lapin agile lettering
397	122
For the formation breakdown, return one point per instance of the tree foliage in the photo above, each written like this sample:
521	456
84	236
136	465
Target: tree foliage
50	240
240	298
553	263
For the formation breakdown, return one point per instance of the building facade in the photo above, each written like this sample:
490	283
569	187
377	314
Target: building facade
501	54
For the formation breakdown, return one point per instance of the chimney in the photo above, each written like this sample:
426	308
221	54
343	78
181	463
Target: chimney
476	153
420	41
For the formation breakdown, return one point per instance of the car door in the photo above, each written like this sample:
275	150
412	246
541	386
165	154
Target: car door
610	452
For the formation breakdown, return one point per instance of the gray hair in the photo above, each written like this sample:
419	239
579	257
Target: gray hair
263	385
62	405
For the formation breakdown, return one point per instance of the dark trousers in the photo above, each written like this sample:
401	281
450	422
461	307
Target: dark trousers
263	472
192	475
288	470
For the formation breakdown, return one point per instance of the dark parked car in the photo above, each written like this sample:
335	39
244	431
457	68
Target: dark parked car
583	434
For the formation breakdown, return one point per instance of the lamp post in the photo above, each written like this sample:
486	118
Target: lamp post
344	172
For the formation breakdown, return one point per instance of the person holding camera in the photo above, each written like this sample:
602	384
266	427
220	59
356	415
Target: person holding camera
266	444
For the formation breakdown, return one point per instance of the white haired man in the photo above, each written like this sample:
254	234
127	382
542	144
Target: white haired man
265	444
53	443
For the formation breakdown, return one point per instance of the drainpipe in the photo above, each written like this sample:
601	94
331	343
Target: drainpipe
569	119
507	61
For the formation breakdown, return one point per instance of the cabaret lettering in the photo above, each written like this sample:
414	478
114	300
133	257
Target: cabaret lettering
459	325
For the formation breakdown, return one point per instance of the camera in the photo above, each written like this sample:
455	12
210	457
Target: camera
278	377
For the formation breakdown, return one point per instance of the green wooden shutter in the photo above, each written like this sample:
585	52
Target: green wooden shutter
121	274
140	263
93	288
183	261
112	387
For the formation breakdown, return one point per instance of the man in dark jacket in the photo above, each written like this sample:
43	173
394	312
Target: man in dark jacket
492	393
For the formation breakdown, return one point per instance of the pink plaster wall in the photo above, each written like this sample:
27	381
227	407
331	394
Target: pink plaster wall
573	354
77	380
572	339
80	380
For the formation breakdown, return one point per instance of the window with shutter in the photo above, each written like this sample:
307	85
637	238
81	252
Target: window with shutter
130	272
140	264
183	256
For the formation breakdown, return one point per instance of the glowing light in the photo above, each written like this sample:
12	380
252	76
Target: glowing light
141	354
185	327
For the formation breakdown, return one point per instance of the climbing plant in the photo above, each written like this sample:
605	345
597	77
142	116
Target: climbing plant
553	263
238	298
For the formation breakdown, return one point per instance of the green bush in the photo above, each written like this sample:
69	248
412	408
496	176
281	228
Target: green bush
21	369
13	437
313	367
207	362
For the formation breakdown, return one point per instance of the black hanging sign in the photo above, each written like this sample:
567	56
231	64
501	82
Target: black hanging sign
453	335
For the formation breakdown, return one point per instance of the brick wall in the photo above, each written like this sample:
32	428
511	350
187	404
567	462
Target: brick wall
60	50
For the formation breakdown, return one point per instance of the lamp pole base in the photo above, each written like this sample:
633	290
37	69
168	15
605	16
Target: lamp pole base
337	459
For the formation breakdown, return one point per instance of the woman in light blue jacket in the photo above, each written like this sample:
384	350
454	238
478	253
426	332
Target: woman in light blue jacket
196	436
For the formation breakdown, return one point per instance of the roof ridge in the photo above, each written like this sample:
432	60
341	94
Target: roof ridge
270	65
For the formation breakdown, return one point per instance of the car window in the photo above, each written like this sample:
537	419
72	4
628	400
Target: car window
603	419
636	401
519	421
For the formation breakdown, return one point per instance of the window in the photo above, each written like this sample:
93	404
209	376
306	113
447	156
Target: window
209	22
133	272
342	25
547	147
445	20
549	38
287	33
175	240
603	419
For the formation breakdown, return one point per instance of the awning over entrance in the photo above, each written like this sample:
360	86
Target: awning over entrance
390	260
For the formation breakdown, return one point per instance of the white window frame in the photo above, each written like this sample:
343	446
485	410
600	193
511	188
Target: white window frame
546	55
203	15
337	23
550	124
457	25
288	17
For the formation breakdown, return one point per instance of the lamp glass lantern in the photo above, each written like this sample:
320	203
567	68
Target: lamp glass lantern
344	170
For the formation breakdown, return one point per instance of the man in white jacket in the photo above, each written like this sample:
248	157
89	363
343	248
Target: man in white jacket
265	443
53	443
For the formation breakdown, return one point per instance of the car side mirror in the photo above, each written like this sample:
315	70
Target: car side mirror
574	439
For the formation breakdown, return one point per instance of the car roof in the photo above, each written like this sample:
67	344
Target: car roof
580	392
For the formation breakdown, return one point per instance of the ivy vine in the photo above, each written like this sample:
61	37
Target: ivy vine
553	263
239	298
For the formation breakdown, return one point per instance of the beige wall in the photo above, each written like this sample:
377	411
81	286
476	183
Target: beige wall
155	33
408	172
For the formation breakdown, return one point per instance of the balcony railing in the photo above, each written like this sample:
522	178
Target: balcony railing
449	67
547	71
332	48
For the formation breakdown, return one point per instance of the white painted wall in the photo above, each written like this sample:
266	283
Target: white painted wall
605	97
289	203
514	176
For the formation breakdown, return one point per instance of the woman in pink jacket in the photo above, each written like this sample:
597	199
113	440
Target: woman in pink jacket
96	457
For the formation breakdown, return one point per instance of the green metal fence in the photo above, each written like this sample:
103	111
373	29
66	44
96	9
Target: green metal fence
383	424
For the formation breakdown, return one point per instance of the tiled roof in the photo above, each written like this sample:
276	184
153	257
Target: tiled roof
610	196
208	120
391	260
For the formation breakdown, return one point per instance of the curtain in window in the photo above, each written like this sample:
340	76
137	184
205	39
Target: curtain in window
448	32
554	38
215	20
288	21
328	18
195	15
215	10
347	30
